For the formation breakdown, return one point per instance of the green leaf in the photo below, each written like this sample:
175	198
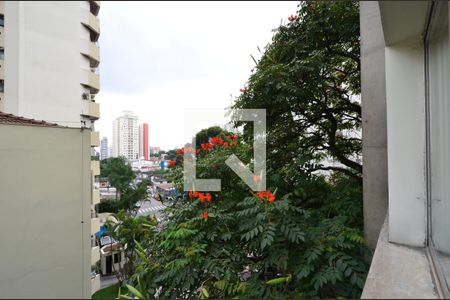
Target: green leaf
135	292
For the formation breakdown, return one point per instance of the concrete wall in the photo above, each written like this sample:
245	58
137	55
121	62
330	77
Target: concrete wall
43	63
373	86
45	212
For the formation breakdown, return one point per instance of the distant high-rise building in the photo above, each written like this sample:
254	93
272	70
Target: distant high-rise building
126	136
143	141
154	150
104	148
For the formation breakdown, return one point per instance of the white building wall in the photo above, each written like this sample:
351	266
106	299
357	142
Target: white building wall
45	217
43	61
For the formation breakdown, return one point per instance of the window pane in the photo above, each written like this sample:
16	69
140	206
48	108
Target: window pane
439	84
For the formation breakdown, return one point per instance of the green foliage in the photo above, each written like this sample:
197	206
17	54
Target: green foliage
203	135
308	243
307	80
130	196
118	172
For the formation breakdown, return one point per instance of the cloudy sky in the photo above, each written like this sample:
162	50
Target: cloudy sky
159	59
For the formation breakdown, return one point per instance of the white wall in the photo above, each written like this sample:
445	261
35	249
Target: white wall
43	64
403	26
45	215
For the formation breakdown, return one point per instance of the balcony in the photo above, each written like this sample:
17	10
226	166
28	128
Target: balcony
93	24
95	283
95	167
94	7
91	80
95	196
93	53
2	37
2	69
91	110
95	255
95	139
95	226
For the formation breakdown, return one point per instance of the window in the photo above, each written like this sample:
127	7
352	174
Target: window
438	140
116	258
2	21
2	86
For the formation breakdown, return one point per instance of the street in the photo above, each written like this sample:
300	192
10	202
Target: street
150	206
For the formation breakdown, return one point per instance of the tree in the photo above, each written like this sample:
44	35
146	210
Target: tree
204	135
307	80
303	237
118	172
129	230
236	243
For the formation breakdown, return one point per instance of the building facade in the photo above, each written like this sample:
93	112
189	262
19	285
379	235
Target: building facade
104	149
143	141
49	60
126	136
45	220
405	80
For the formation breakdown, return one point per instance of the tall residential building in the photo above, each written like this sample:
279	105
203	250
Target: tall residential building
143	141
48	71
104	150
126	136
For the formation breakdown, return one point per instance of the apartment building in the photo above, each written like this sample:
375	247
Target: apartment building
104	149
405	80
143	141
49	60
125	138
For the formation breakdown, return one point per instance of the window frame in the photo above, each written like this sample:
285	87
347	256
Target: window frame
442	284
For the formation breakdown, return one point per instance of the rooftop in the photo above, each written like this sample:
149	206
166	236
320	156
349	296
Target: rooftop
13	119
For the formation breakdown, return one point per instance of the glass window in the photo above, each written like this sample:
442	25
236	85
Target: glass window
438	57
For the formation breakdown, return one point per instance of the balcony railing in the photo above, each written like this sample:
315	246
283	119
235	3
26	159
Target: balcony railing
95	139
95	167
93	53
2	69
95	255
91	110
2	37
92	81
93	24
95	196
95	283
95	226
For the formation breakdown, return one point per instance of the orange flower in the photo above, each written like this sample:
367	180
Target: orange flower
271	198
202	197
190	194
228	137
225	144
196	194
172	163
205	215
178	151
198	151
208	197
235	137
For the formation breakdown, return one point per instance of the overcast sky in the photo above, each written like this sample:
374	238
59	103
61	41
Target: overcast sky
158	59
